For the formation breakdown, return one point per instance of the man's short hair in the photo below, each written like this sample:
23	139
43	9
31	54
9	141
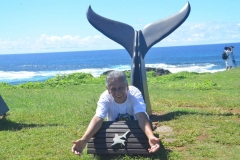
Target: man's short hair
116	75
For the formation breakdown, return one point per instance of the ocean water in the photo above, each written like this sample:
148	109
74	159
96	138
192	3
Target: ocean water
21	68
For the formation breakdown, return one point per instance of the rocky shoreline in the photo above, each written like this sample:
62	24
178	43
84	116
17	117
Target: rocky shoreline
158	71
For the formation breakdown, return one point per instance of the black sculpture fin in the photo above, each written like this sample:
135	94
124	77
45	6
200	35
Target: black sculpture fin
158	30
119	32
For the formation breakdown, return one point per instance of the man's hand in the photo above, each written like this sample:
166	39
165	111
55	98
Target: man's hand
93	127
145	125
78	146
154	143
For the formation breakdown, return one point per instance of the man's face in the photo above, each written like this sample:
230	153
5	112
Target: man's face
118	89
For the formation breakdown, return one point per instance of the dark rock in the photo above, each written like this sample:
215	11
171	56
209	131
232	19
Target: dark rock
106	72
158	71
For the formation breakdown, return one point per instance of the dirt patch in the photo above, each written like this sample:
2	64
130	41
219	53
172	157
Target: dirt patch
235	111
169	140
190	106
165	133
180	148
164	129
202	137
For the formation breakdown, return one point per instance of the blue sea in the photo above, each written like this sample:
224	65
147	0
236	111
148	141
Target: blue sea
22	68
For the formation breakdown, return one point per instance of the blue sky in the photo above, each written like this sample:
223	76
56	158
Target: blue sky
35	26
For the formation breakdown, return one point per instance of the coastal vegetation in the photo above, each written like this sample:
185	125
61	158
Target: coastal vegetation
203	110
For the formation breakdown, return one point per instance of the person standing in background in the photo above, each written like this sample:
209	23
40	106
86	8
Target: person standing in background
228	61
232	56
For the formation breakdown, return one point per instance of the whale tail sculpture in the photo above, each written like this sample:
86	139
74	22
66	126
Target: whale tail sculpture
137	43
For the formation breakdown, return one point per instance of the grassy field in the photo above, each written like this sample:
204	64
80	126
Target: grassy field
202	109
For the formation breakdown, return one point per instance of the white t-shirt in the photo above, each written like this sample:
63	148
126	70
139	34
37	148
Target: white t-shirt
107	107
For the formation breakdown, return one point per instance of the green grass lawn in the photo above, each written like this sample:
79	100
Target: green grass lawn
202	109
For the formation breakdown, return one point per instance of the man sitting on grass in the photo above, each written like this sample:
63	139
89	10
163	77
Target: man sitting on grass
119	100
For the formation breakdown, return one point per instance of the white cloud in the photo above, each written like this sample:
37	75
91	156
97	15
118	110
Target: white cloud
187	34
204	33
198	35
47	43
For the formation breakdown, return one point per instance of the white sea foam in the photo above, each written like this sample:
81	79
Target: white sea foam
24	76
186	67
